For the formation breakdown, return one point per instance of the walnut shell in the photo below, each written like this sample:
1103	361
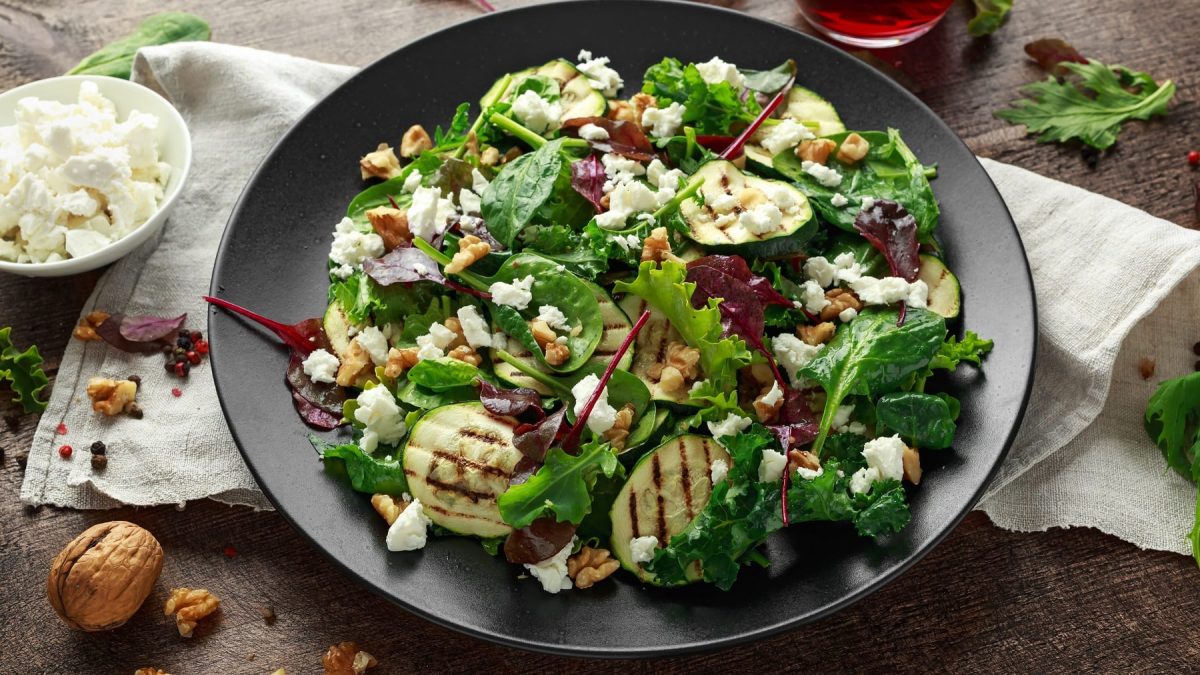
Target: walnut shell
102	577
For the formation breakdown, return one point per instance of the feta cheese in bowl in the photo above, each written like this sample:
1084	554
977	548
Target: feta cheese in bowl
90	168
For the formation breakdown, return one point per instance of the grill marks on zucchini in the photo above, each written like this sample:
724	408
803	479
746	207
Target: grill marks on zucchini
650	348
665	491
459	458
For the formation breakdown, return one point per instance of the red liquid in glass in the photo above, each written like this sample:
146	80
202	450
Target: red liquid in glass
877	22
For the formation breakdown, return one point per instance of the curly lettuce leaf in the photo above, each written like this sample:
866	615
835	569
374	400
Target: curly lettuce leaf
1090	107
23	371
666	289
561	487
989	16
1173	422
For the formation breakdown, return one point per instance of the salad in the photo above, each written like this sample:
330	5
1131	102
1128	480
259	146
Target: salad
598	332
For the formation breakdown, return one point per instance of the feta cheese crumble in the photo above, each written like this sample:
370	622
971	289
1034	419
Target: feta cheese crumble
774	396
886	455
411	529
553	317
552	572
536	113
60	161
793	354
718	471
839	200
468	201
868	203
862	479
641	549
603	414
321	366
847	315
770	469
724	203
412	181
599	74
479	182
628	242
625	200
824	175
812	295
761	219
779	137
820	270
433	344
715	71
428	213
732	425
475	329
517	295
663	122
372	340
591	132
383	419
809	474
352	245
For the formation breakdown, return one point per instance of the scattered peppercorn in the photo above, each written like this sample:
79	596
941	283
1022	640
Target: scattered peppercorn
181	368
1194	158
136	379
202	346
167	349
135	411
61	429
195	335
99	462
184	343
268	614
193	358
229	551
98	448
65	451
176	392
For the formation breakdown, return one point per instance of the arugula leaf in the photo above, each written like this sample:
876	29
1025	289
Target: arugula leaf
367	474
1173	422
562	486
710	108
665	288
1090	107
989	15
116	58
872	356
889	171
770	81
23	371
457	133
923	420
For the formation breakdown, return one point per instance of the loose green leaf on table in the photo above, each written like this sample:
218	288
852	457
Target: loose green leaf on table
989	15
23	372
1090	104
116	58
561	487
367	473
1173	423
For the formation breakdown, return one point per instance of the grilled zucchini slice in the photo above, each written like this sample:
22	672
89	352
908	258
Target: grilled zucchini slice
803	106
665	490
726	230
616	327
337	328
650	348
576	95
944	293
458	459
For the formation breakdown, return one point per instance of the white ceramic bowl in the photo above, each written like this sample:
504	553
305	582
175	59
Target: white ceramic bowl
174	148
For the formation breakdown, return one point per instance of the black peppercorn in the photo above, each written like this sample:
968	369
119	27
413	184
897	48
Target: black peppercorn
1196	349
98	448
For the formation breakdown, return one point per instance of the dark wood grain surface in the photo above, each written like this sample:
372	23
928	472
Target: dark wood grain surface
984	600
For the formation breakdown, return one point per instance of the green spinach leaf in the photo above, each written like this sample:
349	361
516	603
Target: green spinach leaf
872	356
116	58
922	420
413	394
443	374
520	191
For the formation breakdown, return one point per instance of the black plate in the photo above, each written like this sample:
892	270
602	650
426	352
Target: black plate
272	259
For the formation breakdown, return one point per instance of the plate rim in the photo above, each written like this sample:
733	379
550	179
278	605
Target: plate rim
679	649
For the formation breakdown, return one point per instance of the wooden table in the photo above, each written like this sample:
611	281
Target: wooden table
985	599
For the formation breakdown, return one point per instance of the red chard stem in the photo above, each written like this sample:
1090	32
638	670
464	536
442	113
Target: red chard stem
735	148
289	334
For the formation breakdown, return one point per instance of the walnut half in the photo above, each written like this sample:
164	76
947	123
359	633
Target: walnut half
112	397
189	606
591	565
345	658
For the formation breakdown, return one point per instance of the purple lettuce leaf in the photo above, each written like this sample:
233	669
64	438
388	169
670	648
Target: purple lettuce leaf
588	178
409	265
892	230
624	138
326	396
534	440
538	541
510	402
314	416
149	328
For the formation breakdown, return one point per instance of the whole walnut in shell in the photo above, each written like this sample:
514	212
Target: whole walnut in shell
102	577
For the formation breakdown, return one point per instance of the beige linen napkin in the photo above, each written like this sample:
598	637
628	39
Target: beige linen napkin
1100	268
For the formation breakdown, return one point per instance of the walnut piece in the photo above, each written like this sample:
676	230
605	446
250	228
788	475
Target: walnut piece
623	111
103	576
391	225
557	353
466	354
591	565
912	466
382	163
489	157
345	658
189	606
641	102
112	397
470	250
803	459
388	506
455	326
619	432
815	150
657	247
767	411
818	334
415	141
356	367
86	328
685	359
671	381
840	300
853	149
400	360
